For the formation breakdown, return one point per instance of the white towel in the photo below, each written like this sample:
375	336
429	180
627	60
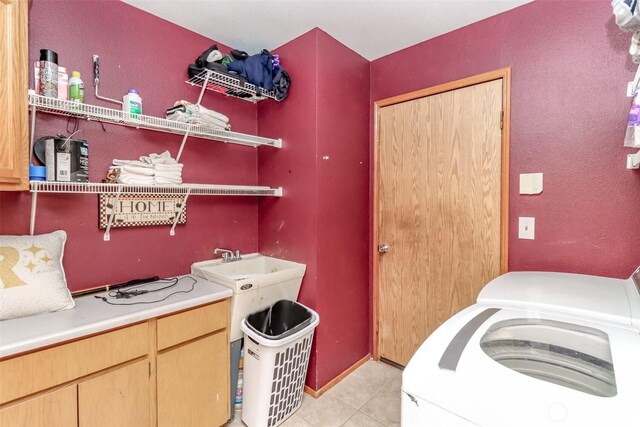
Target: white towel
138	170
117	162
169	175
176	167
136	179
196	118
203	110
163	158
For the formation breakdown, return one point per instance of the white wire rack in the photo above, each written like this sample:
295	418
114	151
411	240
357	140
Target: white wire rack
109	115
193	189
185	190
230	86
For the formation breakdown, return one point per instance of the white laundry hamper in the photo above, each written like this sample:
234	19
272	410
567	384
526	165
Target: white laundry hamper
274	373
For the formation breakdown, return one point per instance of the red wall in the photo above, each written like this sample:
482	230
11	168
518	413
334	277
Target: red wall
342	191
287	225
323	167
137	50
570	66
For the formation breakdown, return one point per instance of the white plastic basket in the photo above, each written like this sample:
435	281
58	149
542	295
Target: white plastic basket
274	374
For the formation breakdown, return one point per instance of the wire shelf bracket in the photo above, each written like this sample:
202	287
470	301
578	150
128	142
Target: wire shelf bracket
112	216
182	205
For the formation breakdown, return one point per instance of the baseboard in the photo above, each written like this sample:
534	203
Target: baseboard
336	380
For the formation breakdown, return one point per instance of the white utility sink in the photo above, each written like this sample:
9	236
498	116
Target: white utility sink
255	269
257	281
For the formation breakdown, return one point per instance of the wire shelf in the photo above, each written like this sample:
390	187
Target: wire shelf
109	115
230	86
183	189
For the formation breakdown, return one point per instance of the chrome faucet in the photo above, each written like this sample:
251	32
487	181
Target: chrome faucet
227	255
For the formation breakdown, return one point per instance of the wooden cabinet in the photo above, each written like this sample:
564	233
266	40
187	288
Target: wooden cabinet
192	373
193	383
169	371
117	398
54	409
41	370
14	115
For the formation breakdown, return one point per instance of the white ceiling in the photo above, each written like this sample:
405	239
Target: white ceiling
372	28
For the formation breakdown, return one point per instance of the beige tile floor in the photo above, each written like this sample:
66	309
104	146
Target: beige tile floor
369	396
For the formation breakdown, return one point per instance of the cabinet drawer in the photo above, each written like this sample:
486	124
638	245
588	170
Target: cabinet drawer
38	371
55	409
192	324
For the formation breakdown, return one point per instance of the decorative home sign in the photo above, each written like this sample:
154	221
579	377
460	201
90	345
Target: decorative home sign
138	210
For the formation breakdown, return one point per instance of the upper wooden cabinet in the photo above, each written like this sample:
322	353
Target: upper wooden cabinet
14	81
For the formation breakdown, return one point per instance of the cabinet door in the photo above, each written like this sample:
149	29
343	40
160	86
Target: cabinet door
193	383
55	409
14	115
117	398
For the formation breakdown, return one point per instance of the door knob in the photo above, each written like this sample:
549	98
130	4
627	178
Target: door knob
383	248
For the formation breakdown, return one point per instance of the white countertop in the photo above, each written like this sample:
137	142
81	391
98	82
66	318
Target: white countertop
92	315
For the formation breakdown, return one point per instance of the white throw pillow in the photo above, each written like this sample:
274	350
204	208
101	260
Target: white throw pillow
32	279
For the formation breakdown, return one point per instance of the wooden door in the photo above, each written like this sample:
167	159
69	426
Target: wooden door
14	138
116	398
439	210
193	383
54	409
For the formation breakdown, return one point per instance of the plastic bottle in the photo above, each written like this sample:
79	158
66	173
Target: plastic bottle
63	84
132	103
239	389
76	88
632	137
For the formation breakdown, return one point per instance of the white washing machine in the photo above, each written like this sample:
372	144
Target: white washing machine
537	349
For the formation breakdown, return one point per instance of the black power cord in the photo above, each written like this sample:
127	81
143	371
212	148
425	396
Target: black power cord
135	291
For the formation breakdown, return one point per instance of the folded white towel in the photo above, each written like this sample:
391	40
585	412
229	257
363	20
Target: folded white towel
169	175
176	167
163	158
212	121
203	110
136	179
138	170
117	162
196	118
134	175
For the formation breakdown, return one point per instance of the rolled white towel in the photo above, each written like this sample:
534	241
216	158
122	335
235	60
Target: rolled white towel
138	170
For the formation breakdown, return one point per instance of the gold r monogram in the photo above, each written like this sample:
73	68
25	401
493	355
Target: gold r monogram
10	257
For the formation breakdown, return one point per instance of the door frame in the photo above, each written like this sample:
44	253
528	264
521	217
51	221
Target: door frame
505	75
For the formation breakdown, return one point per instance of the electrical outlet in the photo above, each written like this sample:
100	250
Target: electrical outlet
526	228
531	183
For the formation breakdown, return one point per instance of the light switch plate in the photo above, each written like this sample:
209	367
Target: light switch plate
526	227
531	183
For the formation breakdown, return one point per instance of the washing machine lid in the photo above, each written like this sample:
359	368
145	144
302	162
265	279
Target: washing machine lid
577	295
505	367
